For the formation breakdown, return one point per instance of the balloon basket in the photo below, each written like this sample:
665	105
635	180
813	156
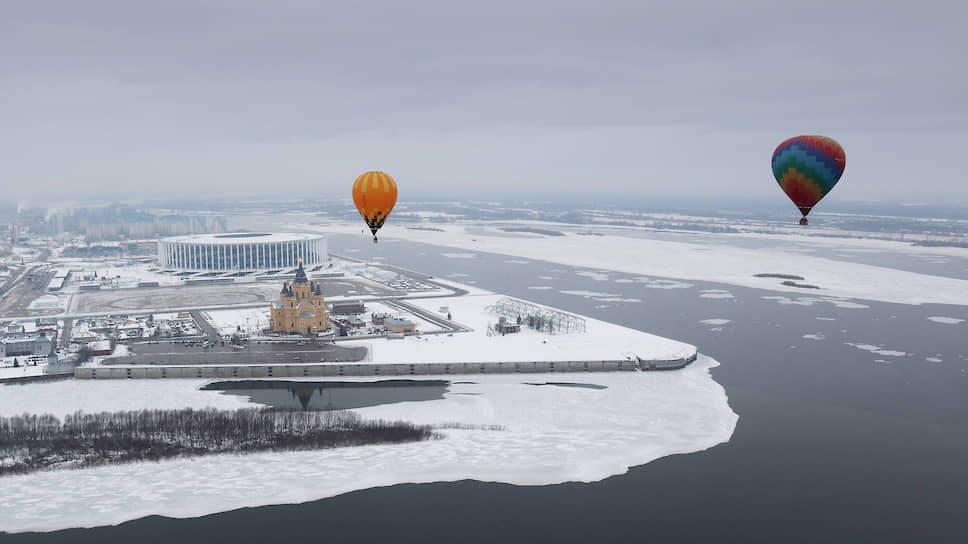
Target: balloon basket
803	221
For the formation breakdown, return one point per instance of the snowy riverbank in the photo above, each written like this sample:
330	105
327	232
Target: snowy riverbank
551	434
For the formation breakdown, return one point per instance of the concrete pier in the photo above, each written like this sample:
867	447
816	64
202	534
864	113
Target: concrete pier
369	369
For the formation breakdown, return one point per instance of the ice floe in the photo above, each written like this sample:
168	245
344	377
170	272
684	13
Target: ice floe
715	293
946	320
715	321
879	350
460	255
597	276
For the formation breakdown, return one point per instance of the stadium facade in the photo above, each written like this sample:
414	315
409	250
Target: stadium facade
241	251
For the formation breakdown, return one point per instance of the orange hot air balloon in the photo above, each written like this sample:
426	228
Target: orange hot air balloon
374	194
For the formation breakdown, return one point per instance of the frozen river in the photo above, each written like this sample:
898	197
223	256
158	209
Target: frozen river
851	425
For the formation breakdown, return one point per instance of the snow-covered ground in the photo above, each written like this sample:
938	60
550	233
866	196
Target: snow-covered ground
122	273
7	370
50	302
551	434
248	320
601	341
714	259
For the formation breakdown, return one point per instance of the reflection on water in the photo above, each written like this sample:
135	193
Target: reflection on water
571	384
332	395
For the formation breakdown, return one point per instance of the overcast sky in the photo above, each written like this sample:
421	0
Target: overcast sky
484	98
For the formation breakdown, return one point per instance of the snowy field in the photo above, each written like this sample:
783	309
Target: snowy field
551	435
162	298
123	273
601	341
711	257
248	320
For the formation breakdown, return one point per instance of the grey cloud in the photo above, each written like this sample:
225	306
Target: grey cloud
96	95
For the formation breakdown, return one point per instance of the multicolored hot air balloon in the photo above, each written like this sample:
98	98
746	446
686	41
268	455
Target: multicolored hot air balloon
374	194
807	168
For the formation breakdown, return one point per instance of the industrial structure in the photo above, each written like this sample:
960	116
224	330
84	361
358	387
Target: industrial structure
537	317
241	251
300	308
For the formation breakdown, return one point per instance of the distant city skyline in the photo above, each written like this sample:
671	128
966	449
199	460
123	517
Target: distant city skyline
636	99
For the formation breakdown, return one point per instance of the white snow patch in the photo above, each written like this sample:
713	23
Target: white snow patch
817	336
551	435
715	321
517	261
715	293
586	294
23	371
877	350
826	318
946	320
810	301
801	301
540	287
666	284
597	276
460	255
93	396
247	320
933	359
846	304
48	302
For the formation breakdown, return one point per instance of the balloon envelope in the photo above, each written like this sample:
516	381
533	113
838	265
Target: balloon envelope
374	194
807	168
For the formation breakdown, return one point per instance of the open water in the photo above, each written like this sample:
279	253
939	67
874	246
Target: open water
835	442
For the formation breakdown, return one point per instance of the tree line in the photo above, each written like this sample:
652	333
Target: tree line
36	442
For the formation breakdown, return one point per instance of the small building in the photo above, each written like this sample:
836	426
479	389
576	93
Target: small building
348	308
50	327
100	348
351	322
378	319
82	336
399	325
26	344
507	328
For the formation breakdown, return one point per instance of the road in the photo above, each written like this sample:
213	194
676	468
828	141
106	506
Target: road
210	331
18	293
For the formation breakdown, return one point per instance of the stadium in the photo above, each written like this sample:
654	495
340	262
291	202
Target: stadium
241	251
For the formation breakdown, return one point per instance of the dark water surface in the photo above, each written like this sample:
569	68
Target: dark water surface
833	443
332	395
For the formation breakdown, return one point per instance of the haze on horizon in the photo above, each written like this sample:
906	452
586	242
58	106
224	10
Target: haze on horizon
219	97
